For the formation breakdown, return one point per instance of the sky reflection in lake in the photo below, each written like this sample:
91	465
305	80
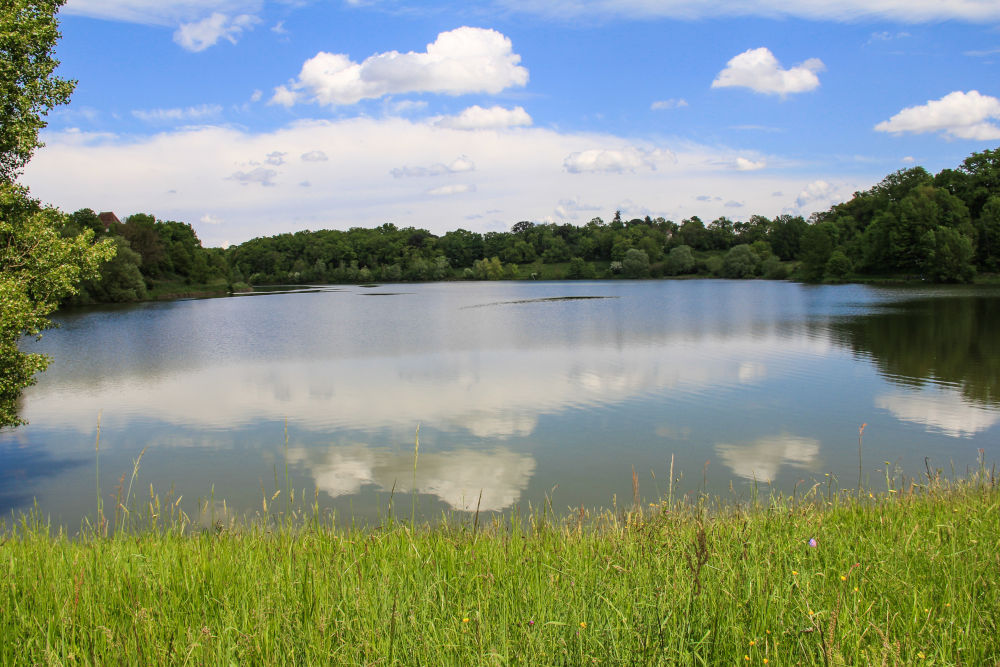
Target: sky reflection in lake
517	389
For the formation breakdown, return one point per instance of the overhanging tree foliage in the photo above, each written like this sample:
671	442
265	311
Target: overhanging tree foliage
28	89
38	266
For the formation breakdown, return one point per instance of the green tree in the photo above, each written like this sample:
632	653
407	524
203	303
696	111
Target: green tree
28	88
636	263
39	266
949	256
740	262
815	248
838	266
982	171
119	280
785	234
988	232
680	260
140	229
488	269
692	233
579	269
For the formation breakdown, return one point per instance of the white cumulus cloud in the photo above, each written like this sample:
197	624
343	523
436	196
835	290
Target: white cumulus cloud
158	12
661	105
478	118
460	61
519	175
200	35
314	156
174	115
819	195
957	115
908	11
746	164
758	70
258	175
570	209
277	158
620	161
459	165
456	189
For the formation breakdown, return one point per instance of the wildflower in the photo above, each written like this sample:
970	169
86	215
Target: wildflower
747	658
795	573
811	612
753	643
765	661
947	604
465	620
843	578
531	622
855	589
812	542
921	654
583	624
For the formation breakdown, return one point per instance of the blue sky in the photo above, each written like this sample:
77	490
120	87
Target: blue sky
259	117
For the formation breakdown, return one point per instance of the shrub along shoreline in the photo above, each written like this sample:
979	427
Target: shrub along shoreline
905	576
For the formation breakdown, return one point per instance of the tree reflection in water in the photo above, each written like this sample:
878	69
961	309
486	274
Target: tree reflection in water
951	340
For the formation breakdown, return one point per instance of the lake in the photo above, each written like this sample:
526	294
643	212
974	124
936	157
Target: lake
521	391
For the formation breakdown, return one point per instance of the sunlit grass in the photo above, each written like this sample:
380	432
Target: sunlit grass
904	576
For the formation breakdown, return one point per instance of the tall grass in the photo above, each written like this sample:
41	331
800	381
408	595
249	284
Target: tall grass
904	576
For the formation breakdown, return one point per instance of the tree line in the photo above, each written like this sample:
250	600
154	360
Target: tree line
147	251
941	228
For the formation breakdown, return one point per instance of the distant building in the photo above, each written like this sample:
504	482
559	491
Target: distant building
108	218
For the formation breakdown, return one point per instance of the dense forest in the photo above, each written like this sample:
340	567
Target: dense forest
149	252
911	225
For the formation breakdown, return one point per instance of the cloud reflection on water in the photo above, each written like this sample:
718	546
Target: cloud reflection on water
488	394
763	458
940	408
455	477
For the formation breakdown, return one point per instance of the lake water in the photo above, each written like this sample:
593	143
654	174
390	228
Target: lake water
520	390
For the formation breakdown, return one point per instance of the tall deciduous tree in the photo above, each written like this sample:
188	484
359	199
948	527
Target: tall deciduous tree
28	89
38	266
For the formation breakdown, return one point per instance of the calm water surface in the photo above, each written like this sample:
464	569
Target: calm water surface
519	389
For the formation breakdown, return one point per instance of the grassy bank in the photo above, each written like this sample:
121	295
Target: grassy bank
908	576
165	290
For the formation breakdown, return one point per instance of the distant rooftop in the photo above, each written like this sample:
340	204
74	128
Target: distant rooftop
108	217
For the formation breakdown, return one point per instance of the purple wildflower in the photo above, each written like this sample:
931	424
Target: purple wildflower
812	542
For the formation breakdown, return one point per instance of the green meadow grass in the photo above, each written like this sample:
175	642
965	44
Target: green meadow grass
906	576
